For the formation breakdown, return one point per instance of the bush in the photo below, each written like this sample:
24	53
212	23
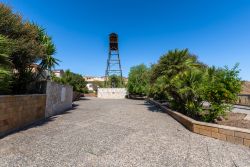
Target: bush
174	77
221	87
75	80
185	83
114	81
138	80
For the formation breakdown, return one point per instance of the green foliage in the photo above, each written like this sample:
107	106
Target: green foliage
75	80
186	84
5	64
30	44
220	88
138	80
114	81
173	63
166	74
48	61
187	92
97	84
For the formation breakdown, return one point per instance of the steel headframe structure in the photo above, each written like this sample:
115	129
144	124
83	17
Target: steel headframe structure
113	62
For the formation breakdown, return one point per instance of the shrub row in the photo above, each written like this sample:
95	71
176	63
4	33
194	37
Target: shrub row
187	84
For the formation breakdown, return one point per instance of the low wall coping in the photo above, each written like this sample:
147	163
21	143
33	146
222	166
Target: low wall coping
22	95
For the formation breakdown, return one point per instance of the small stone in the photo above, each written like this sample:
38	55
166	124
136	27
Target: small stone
220	118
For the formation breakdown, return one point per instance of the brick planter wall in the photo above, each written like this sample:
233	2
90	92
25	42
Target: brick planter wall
221	132
20	110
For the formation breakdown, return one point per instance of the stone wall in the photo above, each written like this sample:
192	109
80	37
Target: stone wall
59	98
244	100
111	93
20	110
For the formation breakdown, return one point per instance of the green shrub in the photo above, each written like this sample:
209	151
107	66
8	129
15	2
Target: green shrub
220	88
114	81
185	83
75	80
138	80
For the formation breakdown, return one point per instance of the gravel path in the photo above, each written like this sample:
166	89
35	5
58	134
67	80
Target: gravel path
116	133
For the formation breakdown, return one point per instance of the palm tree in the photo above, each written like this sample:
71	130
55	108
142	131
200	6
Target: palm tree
48	62
171	75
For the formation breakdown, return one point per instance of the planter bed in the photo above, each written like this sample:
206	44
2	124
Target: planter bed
226	133
235	120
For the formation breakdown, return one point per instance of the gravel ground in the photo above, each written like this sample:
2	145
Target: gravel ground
116	133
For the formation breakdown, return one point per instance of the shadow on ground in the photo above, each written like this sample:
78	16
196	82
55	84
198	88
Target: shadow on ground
28	126
151	107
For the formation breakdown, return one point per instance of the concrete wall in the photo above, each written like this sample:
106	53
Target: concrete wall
59	98
20	110
111	93
244	100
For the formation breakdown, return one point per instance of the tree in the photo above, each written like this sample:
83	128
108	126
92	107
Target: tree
186	83
221	87
114	81
138	80
188	89
173	63
5	72
48	61
170	66
29	48
75	80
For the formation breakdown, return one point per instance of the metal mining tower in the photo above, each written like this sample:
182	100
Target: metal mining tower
113	62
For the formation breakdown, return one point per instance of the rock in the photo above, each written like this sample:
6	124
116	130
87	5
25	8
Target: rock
220	118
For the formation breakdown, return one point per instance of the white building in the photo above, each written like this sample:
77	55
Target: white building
90	86
58	73
94	78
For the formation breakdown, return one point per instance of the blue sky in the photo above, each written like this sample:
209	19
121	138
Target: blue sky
217	31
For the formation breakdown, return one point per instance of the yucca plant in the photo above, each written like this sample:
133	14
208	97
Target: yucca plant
48	62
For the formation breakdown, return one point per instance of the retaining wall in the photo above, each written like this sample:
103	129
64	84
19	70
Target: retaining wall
111	93
221	132
59	98
20	110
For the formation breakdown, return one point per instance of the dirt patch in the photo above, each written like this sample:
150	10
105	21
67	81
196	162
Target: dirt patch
235	120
